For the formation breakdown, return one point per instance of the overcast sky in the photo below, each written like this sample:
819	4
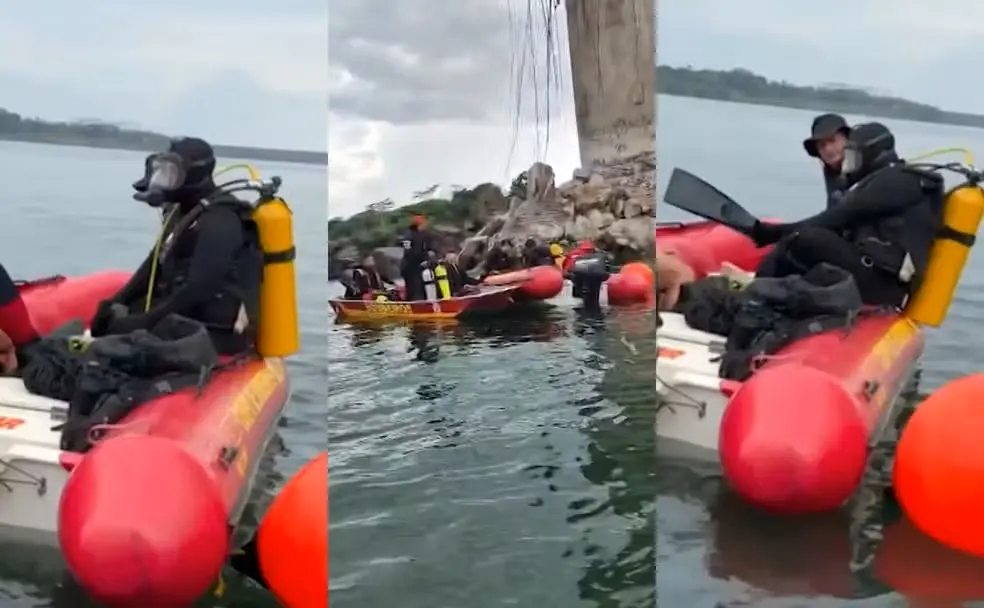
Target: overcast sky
422	91
429	96
242	72
911	48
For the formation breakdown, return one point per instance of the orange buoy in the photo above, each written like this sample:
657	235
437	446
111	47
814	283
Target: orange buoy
939	466
918	567
292	542
543	282
628	288
642	269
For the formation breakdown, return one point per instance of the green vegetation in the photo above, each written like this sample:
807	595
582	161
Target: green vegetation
14	127
742	86
379	227
382	222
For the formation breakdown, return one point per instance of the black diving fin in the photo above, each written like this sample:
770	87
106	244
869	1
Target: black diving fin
690	193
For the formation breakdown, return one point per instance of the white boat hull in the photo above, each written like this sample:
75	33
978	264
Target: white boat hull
31	474
692	403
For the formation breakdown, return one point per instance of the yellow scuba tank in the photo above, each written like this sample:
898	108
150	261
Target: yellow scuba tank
557	253
963	210
443	285
278	333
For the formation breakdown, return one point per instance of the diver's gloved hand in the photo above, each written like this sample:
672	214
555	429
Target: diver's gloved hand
768	234
610	266
106	313
128	324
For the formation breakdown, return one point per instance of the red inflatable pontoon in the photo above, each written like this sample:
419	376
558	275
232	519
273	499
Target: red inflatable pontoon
143	518
706	245
536	283
56	300
794	437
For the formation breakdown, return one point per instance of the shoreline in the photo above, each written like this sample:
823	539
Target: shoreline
741	85
311	157
299	157
955	119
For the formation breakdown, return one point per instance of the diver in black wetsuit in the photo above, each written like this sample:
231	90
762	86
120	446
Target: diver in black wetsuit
207	265
459	280
366	279
536	254
828	138
417	244
500	257
882	231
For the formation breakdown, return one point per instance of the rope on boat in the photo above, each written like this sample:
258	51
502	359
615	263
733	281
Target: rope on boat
32	480
55	278
98	431
700	406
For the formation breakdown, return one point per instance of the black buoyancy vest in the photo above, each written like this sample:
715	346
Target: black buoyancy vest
415	245
906	237
366	279
835	185
239	291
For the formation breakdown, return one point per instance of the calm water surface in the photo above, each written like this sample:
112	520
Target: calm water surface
719	554
507	464
512	463
69	211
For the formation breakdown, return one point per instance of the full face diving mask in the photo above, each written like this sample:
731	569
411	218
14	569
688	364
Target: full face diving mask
853	160
165	174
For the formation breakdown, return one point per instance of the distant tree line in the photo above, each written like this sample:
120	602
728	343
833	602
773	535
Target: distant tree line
378	226
743	86
96	134
381	222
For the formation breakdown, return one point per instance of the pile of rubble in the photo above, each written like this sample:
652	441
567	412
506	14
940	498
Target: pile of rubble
610	204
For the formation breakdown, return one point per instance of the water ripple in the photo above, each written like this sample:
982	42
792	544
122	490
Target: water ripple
503	453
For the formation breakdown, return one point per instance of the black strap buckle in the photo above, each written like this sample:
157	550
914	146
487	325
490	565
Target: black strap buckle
946	232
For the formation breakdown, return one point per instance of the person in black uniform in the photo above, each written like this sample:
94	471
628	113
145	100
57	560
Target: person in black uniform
536	254
459	280
417	244
881	232
207	265
501	257
828	138
365	279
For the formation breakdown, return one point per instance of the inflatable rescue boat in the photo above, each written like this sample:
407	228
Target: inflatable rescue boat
533	284
795	436
704	245
145	516
485	300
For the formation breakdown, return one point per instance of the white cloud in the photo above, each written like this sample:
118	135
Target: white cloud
165	66
463	117
373	161
355	162
283	53
910	48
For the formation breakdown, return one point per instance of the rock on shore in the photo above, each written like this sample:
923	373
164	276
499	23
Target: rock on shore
610	204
